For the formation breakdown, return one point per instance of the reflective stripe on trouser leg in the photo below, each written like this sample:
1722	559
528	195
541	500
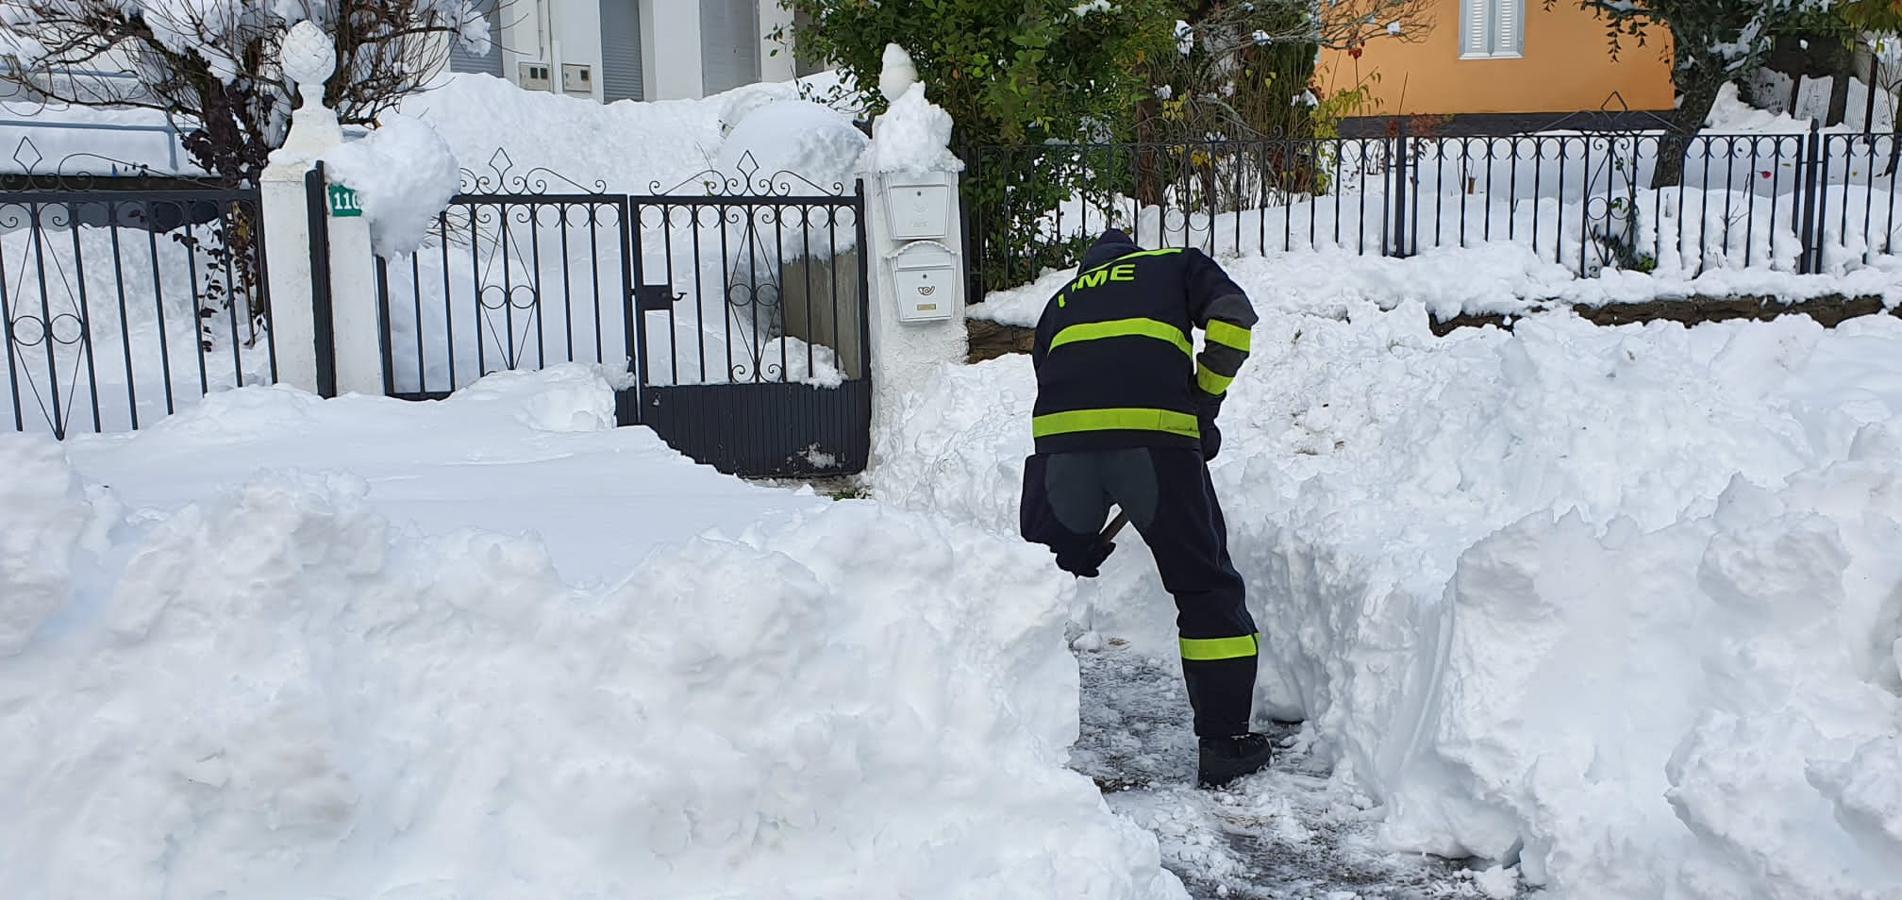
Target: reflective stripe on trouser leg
1210	649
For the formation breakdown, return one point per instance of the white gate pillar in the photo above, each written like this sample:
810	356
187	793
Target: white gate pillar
916	232
351	360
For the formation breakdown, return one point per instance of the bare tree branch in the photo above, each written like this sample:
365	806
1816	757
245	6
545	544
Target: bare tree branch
213	67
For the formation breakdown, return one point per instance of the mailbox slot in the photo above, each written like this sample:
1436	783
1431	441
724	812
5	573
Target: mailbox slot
920	211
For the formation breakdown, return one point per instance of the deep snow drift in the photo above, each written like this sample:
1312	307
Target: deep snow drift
1620	606
516	453
274	687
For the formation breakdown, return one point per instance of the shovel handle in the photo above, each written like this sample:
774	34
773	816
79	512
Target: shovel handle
1114	527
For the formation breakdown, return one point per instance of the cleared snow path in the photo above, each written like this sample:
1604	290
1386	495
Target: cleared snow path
1291	833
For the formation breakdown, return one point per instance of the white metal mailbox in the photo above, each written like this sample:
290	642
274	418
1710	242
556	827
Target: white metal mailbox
919	211
925	274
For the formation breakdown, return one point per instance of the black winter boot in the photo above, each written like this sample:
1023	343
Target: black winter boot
1226	759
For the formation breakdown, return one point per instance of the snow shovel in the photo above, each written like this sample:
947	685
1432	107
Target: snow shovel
1114	527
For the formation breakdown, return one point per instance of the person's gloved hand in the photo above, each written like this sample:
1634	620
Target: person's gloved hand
1206	409
1085	562
1211	439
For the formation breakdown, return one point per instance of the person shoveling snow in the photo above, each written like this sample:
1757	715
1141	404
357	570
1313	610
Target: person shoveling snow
1123	418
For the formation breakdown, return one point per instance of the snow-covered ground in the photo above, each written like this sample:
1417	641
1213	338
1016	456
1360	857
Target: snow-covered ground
1615	607
1613	611
281	647
1498	277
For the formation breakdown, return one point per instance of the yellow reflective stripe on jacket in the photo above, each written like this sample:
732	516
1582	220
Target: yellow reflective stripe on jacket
1129	256
1123	419
1228	335
1208	649
1096	331
1211	383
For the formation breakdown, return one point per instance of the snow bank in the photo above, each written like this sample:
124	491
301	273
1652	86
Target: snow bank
1498	277
1686	705
480	459
42	513
404	175
503	133
1607	603
793	136
275	690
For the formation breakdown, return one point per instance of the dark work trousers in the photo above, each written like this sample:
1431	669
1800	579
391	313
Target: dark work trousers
1170	500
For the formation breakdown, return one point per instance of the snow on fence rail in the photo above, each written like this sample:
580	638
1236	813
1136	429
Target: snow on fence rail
119	307
1806	203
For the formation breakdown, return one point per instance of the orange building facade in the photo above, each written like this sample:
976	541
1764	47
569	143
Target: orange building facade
1502	57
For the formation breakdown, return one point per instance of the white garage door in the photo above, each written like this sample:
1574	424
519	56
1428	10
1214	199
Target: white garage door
729	44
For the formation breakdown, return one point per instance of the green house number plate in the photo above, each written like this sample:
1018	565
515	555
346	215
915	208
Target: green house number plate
343	202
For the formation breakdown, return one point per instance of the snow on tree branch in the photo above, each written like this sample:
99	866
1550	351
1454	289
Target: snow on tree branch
211	64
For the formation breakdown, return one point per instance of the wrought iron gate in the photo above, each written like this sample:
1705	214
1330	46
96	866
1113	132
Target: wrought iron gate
736	302
752	323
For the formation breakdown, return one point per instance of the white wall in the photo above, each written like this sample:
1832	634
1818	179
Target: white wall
771	67
577	30
670	30
670	35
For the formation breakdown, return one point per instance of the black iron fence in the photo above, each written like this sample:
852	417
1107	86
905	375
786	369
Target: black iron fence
734	304
513	276
120	307
1811	202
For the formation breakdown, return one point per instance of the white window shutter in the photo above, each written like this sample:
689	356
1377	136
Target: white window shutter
1509	32
1475	28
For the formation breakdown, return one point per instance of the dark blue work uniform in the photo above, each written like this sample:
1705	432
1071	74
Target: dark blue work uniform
1125	416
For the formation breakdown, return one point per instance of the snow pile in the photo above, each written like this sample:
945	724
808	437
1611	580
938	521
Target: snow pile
1729	114
502	133
1610	604
912	137
1710	703
277	691
404	174
1497	277
479	459
896	74
42	513
791	146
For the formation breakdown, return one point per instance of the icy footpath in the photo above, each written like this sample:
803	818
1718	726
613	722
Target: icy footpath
280	687
1620	607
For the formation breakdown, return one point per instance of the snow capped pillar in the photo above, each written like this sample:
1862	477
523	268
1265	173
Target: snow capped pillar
916	236
308	58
